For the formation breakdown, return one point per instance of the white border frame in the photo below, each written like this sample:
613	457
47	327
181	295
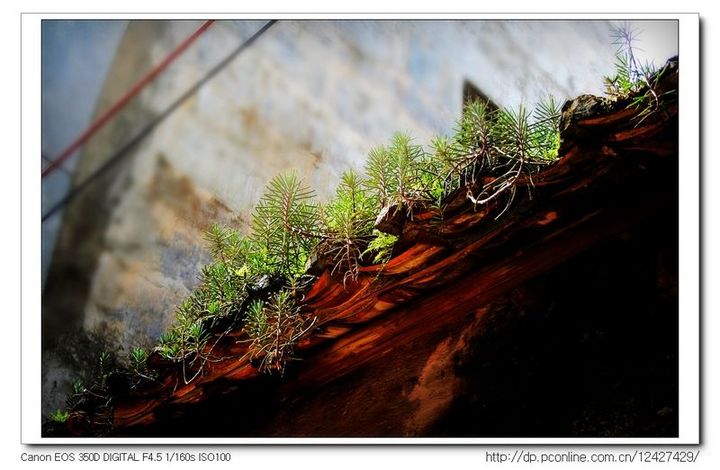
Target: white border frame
689	235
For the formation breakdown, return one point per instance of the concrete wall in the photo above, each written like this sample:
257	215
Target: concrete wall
314	96
76	57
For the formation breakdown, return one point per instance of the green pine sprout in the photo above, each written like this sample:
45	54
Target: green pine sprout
628	74
380	181
59	416
632	77
348	221
138	359
545	133
274	327
285	224
394	173
382	246
256	323
78	387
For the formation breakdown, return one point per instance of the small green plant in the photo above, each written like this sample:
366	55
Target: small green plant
170	346
77	395
348	224
274	328
394	173
138	359
187	335
407	158
545	130
629	75
439	171
285	223
256	324
516	144
59	416
223	290
104	362
105	365
78	387
471	150
225	245
381	247
380	181
92	396
634	78
244	256
139	368
196	337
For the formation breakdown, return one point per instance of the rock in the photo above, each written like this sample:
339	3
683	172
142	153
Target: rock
391	219
319	261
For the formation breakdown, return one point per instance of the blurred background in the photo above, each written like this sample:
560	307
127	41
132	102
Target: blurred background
189	120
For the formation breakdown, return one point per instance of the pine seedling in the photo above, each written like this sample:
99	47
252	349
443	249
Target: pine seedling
170	346
509	134
274	327
445	169
256	324
59	416
633	77
380	169
520	146
545	131
393	173
471	150
138	360
286	224
348	221
225	245
627	77
381	246
407	158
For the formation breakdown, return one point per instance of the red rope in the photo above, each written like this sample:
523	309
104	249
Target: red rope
125	99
